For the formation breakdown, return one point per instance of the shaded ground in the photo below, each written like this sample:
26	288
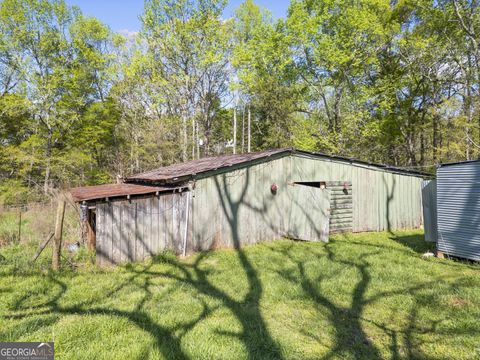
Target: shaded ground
360	296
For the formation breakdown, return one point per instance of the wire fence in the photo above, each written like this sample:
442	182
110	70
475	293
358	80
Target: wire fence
26	207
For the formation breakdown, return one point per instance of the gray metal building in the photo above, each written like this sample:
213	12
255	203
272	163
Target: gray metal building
233	200
458	214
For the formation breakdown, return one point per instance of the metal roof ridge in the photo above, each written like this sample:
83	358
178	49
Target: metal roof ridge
355	160
458	162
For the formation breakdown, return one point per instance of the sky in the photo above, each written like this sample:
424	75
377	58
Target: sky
123	15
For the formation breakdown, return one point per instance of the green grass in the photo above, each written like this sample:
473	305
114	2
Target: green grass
365	296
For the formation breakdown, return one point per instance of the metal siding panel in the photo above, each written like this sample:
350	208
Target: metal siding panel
100	236
380	224
399	203
155	224
148	235
168	218
173	222
116	232
355	200
144	231
132	230
182	223
162	222
309	219
126	232
212	220
122	244
410	206
138	231
259	201
458	201
429	194
108	225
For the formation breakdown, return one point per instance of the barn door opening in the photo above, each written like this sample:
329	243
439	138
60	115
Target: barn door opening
88	221
91	229
309	213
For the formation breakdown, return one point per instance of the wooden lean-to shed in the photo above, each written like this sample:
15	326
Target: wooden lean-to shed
233	200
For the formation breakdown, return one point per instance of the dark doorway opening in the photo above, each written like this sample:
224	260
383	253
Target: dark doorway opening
91	229
315	184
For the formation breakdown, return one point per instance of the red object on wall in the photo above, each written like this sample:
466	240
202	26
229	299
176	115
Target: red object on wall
274	188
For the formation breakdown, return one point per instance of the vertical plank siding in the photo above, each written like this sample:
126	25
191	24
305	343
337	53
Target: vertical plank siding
429	198
237	207
381	200
138	229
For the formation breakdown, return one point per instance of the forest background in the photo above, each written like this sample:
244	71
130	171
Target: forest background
394	82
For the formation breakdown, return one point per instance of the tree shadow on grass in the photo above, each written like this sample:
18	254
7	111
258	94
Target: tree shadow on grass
351	340
167	339
348	321
254	334
415	242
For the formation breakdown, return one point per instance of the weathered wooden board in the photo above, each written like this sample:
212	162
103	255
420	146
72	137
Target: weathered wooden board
309	213
133	230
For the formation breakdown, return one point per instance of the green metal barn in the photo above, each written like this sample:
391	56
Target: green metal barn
232	200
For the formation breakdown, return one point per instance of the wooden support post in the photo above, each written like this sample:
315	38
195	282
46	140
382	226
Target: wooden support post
440	254
41	247
248	131
57	237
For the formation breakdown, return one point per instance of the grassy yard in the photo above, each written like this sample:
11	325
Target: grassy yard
360	296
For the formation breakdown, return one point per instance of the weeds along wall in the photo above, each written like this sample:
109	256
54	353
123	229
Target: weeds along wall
234	207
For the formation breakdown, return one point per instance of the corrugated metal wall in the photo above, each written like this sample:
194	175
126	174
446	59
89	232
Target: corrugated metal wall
458	215
429	200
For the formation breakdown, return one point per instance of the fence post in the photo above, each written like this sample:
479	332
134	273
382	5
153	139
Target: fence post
19	224
57	237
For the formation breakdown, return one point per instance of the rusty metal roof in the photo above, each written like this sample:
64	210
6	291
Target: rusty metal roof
179	172
389	168
86	193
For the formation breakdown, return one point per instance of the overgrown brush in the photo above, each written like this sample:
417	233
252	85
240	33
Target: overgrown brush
19	240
